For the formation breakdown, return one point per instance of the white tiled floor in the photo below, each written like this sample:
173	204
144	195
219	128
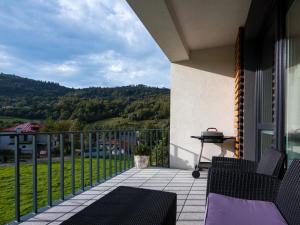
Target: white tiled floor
190	195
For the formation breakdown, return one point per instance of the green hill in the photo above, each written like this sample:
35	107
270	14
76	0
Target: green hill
30	99
15	86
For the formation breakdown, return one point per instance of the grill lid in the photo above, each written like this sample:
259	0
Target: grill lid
212	133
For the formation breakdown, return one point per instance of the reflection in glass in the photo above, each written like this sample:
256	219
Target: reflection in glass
293	83
266	140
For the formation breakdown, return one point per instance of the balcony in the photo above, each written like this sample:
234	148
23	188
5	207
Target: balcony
191	194
226	73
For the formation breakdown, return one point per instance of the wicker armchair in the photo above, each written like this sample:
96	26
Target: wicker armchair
270	164
284	194
246	179
233	163
244	185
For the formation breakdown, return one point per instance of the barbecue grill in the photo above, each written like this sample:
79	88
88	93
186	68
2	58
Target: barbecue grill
211	135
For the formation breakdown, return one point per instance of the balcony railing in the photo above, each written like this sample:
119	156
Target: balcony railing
61	165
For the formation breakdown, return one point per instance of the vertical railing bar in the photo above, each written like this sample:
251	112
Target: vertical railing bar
17	179
125	149
150	144
168	147
134	144
72	165
110	149
34	174
115	151
120	158
82	160
91	161
156	142
104	154
97	162
49	170
128	150
132	149
146	138
62	184
163	146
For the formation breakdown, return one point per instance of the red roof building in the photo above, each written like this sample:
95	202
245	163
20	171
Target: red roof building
24	128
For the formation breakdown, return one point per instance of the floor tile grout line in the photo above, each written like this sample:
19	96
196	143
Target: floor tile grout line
88	200
186	198
176	193
150	177
171	181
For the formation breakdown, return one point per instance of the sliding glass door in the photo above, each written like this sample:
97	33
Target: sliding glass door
265	85
293	82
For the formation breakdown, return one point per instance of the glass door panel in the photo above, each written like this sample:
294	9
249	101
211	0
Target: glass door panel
266	140
266	88
293	83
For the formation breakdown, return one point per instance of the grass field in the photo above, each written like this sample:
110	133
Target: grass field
7	121
7	199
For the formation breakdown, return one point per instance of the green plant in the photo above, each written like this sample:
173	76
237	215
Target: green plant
141	149
160	153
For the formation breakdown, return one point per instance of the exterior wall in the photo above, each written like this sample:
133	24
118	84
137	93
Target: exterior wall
202	96
6	143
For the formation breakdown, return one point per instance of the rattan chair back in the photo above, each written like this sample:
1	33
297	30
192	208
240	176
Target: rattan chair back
288	197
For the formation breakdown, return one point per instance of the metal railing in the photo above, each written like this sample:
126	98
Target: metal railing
89	158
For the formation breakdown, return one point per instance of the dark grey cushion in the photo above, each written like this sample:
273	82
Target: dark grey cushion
270	163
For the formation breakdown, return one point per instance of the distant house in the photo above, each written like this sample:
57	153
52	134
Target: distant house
28	127
26	130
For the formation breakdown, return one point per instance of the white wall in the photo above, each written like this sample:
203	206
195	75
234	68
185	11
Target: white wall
5	143
202	96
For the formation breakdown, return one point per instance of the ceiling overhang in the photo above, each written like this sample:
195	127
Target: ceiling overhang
181	26
157	18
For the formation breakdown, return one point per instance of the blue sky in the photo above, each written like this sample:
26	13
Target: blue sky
79	43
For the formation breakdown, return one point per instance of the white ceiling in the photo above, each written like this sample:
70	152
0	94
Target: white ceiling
209	23
180	26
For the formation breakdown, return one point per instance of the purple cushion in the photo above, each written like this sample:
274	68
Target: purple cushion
225	210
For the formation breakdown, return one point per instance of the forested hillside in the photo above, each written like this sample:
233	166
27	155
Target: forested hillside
15	86
39	100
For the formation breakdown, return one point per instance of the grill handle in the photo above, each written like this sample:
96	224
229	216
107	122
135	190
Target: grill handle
212	129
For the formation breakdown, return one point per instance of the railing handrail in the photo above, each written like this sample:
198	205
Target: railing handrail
12	133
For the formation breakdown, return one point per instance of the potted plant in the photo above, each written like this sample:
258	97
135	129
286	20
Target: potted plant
141	156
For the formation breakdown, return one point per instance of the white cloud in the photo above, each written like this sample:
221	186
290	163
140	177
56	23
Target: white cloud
113	17
79	43
116	67
65	69
5	58
123	70
108	68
